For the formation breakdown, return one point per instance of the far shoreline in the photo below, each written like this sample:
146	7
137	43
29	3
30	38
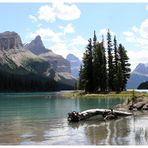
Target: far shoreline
123	94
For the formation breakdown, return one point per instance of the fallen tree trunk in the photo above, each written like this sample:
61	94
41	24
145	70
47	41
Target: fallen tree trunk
106	113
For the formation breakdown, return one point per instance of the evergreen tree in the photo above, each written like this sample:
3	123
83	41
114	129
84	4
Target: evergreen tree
103	75
125	66
94	40
117	67
110	62
97	57
96	63
94	73
116	58
87	71
99	66
118	78
81	79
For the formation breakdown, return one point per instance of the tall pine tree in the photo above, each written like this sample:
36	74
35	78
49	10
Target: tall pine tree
103	75
81	79
125	66
96	63
88	68
116	57
110	62
117	66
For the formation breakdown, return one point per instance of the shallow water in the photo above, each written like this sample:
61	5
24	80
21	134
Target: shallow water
41	118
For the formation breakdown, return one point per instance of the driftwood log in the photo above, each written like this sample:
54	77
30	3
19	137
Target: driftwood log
106	113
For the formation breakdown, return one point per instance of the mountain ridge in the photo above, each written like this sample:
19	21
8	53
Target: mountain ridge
19	62
75	64
138	76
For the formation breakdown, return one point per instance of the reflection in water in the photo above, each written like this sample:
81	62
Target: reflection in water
118	132
42	119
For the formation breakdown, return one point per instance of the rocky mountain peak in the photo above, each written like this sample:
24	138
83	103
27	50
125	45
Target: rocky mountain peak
38	41
36	46
141	69
72	57
10	40
75	64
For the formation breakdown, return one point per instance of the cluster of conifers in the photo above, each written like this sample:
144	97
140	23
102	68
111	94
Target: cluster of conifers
104	68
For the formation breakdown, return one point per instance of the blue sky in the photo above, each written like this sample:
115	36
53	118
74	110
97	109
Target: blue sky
66	27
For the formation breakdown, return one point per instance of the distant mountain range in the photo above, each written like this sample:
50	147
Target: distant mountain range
75	64
138	76
32	62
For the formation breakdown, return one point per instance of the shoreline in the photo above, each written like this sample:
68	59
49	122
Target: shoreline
123	94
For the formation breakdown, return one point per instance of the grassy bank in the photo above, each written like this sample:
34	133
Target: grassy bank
123	94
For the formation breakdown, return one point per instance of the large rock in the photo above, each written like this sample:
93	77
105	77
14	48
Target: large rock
36	46
10	40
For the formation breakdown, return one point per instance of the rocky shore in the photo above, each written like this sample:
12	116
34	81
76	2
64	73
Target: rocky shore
135	103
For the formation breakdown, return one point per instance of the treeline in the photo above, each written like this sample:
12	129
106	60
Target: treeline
12	82
104	69
143	85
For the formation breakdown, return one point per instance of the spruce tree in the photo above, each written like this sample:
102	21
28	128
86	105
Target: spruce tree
116	58
125	66
118	78
81	79
117	67
99	66
97	57
110	62
88	68
100	72
103	75
96	63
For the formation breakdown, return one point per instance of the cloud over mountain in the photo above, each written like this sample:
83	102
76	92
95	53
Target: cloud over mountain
50	13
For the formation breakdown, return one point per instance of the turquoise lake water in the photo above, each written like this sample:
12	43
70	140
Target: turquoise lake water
41	119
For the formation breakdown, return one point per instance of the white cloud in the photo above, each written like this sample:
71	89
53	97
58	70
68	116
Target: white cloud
60	48
146	7
74	46
79	40
59	43
46	13
33	18
47	34
66	12
135	29
104	32
139	37
129	36
144	29
68	28
77	46
137	57
50	13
